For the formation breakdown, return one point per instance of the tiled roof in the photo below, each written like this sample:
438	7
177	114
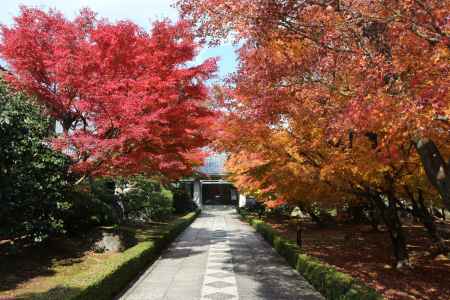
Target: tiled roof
214	164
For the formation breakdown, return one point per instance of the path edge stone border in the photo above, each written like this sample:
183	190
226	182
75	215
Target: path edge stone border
137	259
332	284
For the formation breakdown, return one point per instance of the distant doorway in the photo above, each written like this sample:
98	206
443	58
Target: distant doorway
219	194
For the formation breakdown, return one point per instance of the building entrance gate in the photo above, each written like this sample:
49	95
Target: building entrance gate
218	194
210	187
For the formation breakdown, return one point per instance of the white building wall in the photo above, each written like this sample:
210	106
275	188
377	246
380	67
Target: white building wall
197	197
242	200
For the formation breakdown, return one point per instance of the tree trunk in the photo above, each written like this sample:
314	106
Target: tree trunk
393	223
357	214
437	170
397	234
374	218
421	211
299	234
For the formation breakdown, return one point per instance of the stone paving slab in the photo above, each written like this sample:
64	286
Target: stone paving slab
220	257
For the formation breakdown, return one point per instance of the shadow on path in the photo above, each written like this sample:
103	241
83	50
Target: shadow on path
259	271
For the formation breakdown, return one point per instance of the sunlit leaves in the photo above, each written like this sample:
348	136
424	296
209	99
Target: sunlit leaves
129	101
329	97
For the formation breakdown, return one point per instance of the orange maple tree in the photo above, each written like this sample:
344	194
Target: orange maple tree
336	101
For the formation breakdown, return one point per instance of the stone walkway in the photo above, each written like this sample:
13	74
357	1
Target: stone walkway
220	258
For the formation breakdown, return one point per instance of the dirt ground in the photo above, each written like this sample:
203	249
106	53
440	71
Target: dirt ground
360	251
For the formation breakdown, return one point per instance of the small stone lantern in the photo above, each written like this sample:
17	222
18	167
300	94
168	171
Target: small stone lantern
296	216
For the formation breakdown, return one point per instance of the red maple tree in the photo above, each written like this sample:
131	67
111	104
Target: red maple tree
129	101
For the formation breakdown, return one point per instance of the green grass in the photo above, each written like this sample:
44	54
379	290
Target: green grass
99	276
332	284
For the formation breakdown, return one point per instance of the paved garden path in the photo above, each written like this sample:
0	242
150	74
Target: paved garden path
220	258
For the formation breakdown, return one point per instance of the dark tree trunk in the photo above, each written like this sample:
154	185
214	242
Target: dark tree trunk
397	234
374	217
299	234
422	212
120	210
357	214
393	223
437	170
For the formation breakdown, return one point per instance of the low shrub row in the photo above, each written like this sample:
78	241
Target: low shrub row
332	284
122	269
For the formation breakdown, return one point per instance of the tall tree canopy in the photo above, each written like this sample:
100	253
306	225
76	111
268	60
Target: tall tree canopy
340	100
369	68
129	101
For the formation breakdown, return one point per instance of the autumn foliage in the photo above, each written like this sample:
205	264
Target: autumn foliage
337	103
129	101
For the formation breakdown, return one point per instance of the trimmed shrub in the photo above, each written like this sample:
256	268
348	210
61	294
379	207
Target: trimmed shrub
126	267
146	199
359	291
182	200
332	284
86	210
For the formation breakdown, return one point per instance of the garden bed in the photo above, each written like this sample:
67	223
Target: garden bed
325	278
70	270
367	256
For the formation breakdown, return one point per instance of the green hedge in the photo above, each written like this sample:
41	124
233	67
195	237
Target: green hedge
119	273
332	284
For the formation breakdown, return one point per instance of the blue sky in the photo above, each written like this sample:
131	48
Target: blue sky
141	12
